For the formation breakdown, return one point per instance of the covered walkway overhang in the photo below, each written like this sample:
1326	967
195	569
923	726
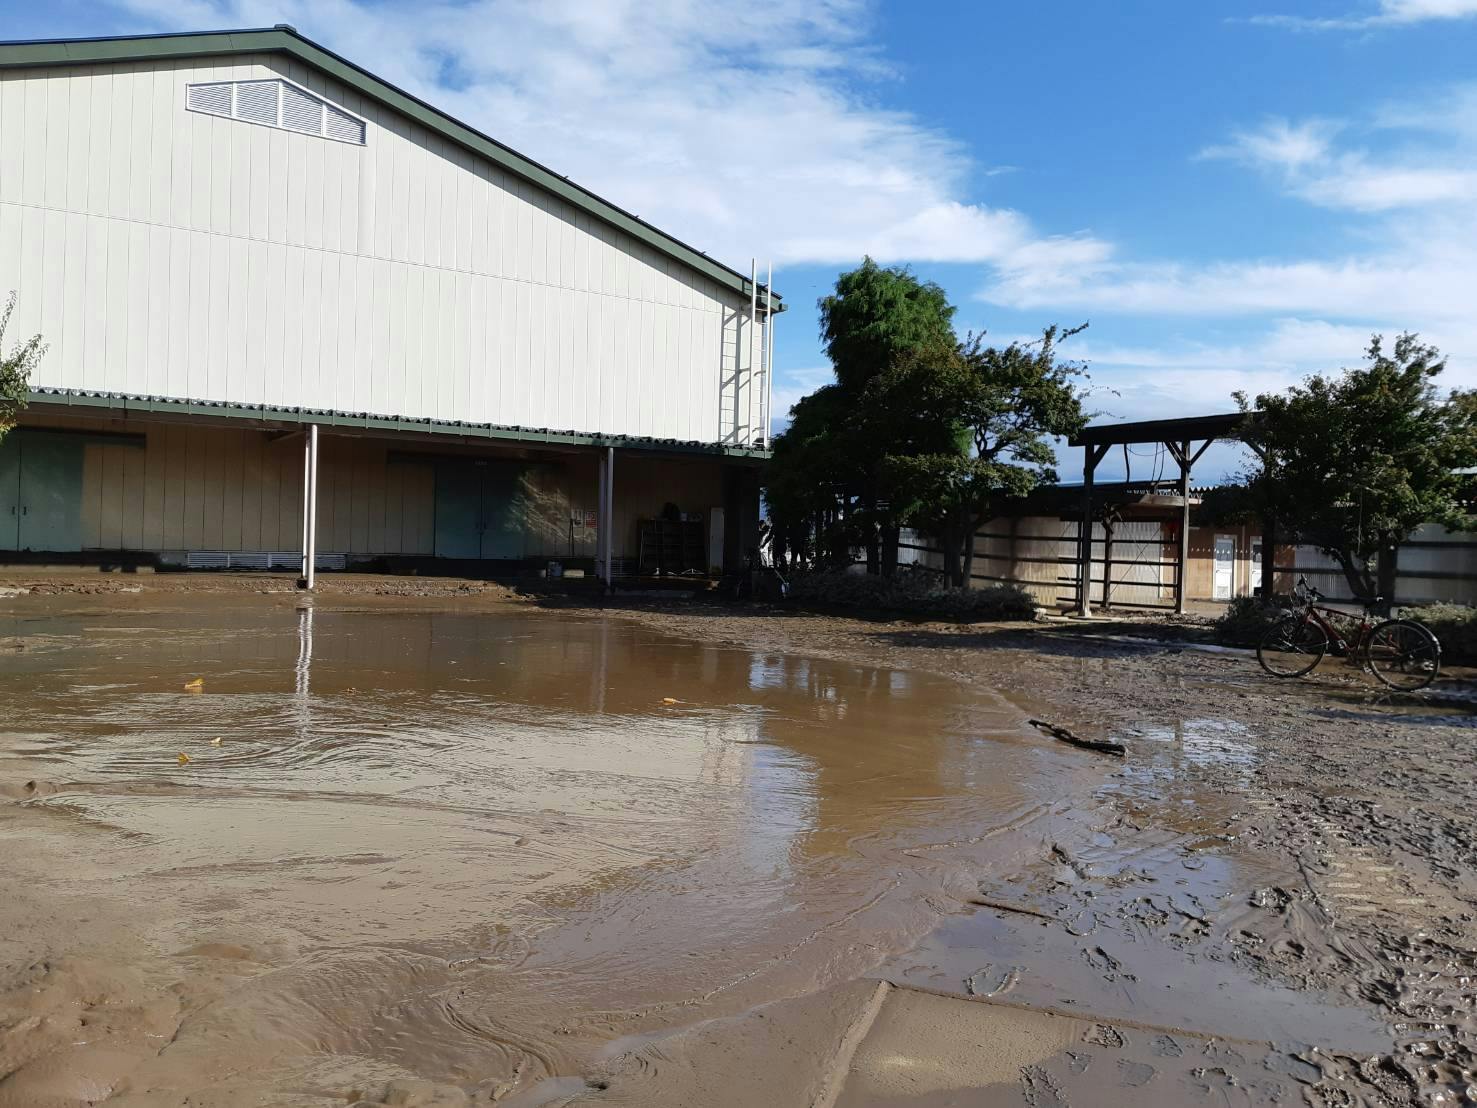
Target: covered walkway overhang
1186	441
651	466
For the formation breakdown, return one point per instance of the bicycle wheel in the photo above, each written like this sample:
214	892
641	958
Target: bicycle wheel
1292	648
1404	655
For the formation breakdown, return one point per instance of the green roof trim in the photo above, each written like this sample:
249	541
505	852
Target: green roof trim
117	402
283	39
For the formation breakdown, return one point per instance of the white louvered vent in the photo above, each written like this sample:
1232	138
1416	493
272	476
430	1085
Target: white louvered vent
277	103
256	101
215	99
301	112
343	126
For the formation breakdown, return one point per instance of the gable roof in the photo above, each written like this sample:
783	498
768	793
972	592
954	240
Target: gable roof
283	39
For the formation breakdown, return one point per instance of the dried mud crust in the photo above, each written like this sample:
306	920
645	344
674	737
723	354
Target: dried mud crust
1368	800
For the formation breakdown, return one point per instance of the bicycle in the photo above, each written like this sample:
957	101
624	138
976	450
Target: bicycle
1401	653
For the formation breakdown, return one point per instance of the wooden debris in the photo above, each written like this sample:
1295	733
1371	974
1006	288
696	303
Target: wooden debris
1006	906
1102	746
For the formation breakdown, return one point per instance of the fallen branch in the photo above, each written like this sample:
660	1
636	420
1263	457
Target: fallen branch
1006	906
1102	746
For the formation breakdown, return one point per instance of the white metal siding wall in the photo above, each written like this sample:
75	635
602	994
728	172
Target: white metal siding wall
173	253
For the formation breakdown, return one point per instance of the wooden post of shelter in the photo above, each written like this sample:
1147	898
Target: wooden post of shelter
1090	459
1178	436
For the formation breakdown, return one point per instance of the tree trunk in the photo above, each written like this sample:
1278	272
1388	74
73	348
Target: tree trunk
966	578
1269	556
1388	564
949	541
889	550
1361	584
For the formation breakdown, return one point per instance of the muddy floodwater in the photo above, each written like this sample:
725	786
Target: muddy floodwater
476	844
410	853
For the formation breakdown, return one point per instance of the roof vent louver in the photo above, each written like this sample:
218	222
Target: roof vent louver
276	103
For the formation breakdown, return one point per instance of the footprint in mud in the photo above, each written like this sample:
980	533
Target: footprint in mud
1134	1075
1166	1047
1111	968
1040	1090
992	980
1103	1034
409	1093
1083	923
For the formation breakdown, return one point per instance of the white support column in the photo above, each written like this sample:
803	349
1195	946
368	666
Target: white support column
307	491
310	545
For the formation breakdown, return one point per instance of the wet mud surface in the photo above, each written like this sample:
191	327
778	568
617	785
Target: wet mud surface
430	847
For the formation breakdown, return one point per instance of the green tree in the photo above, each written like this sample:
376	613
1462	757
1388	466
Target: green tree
823	485
878	314
1354	462
15	370
989	414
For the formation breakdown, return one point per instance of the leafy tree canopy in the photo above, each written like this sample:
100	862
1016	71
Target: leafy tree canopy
1356	461
15	370
987	416
876	315
918	429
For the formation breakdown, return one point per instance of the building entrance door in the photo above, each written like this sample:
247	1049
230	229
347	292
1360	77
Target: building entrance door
1225	567
479	510
40	492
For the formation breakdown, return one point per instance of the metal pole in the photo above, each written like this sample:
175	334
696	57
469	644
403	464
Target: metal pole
753	323
1180	583
768	422
310	574
610	514
1107	561
601	522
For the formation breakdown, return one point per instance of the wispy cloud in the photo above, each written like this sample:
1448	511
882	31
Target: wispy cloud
1403	177
1404	170
1388	13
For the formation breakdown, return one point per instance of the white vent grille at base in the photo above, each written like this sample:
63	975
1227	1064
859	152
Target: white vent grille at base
277	103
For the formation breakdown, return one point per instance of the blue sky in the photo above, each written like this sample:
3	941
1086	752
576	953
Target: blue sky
1234	194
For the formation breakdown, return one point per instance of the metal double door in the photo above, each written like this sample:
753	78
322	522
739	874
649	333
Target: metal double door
480	510
40	491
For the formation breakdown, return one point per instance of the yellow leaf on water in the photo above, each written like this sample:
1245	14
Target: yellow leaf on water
184	759
669	700
196	685
215	741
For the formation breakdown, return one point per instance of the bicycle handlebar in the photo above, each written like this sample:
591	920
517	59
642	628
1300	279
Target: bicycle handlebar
1307	589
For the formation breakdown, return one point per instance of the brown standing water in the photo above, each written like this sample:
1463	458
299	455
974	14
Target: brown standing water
425	855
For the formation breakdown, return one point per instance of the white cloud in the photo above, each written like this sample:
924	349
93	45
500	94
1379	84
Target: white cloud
1388	13
1278	143
1405	259
1404	174
738	129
